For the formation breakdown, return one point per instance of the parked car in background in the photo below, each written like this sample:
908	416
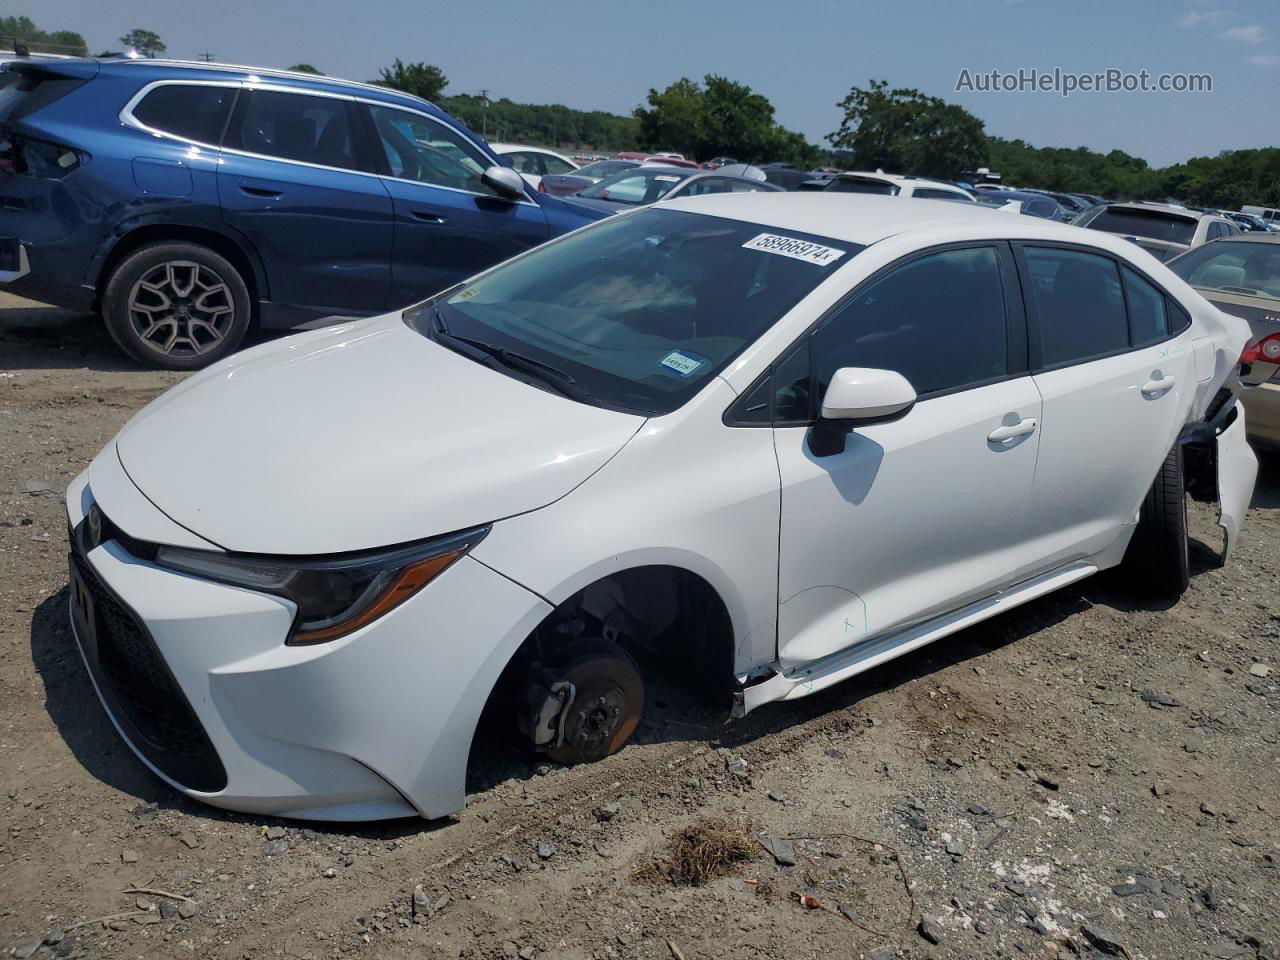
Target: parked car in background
785	175
1032	204
186	202
1269	215
658	435
1252	222
563	184
715	163
533	163
1241	275
1163	230
1090	200
1072	206
891	185
650	183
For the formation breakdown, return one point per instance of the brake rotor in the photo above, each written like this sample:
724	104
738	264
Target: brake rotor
607	704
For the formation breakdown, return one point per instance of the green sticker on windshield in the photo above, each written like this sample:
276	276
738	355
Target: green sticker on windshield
682	363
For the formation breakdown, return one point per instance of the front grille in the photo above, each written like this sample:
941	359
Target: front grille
142	694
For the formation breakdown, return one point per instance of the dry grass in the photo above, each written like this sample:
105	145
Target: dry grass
705	849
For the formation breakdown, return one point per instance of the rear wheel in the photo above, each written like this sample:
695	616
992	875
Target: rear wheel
1158	559
607	700
179	306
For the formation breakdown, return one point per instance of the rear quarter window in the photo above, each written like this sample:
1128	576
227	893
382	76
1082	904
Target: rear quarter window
192	112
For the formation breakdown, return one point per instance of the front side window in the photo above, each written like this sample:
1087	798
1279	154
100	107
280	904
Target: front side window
530	163
189	111
1079	305
642	309
939	321
555	166
295	126
423	150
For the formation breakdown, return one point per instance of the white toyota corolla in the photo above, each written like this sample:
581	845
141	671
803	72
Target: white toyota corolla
767	440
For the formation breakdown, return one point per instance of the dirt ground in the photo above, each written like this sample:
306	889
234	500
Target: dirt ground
1082	776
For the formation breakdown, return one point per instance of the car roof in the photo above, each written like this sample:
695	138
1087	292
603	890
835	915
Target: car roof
867	218
1251	237
155	69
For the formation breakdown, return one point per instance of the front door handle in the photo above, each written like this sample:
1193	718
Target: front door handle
1154	388
1013	431
427	216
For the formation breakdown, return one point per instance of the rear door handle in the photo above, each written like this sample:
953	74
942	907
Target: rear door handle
1013	431
1153	388
266	193
428	216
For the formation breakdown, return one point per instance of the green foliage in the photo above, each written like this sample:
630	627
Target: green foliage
420	79
145	42
306	68
545	124
58	41
719	117
905	131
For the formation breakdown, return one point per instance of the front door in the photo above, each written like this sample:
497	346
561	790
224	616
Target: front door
894	522
449	224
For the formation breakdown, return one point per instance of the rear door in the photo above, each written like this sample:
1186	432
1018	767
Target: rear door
448	223
298	182
886	524
1113	360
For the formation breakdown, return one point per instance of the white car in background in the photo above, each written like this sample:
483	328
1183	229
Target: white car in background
892	185
735	438
1164	230
534	163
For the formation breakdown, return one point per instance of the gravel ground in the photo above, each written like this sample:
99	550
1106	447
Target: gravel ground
1085	775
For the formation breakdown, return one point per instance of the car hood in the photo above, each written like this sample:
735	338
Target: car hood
358	436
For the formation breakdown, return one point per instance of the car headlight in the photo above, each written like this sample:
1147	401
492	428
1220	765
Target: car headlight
335	595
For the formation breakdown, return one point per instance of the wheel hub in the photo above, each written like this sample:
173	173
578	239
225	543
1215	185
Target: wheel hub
181	308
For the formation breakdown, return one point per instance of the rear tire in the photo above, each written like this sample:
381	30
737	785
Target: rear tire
1158	561
178	306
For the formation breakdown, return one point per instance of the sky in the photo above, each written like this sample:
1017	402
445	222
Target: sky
607	54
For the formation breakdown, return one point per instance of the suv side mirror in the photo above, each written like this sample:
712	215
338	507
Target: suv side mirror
508	184
865	393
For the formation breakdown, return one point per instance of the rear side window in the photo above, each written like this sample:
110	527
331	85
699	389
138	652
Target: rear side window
939	321
295	126
1079	305
191	112
1147	320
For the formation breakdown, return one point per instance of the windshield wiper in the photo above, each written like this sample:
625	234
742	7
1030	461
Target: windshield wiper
554	377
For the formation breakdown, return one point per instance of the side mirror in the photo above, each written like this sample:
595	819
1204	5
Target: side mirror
865	393
508	184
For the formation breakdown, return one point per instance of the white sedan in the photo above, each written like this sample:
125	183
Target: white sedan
767	441
534	163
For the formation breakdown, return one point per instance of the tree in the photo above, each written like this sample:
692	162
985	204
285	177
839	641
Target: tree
719	117
144	41
904	130
306	68
420	79
59	41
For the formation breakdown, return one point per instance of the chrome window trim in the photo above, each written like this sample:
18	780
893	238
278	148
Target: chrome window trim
268	72
129	120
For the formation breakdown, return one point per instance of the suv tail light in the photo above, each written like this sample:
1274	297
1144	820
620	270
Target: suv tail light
1266	350
37	158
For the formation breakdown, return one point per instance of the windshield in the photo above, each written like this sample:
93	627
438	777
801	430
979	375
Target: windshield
1252	269
639	310
602	168
1144	223
635	187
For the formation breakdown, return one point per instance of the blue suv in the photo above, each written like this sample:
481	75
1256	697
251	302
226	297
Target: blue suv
190	202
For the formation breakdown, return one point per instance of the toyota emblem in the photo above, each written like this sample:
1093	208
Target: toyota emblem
95	526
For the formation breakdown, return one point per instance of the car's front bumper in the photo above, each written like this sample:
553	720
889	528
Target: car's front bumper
377	724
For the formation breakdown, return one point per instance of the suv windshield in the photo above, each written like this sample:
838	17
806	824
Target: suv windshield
1252	269
1144	223
637	312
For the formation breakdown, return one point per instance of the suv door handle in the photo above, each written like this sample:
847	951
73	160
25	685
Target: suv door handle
428	216
1013	431
266	193
1154	388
